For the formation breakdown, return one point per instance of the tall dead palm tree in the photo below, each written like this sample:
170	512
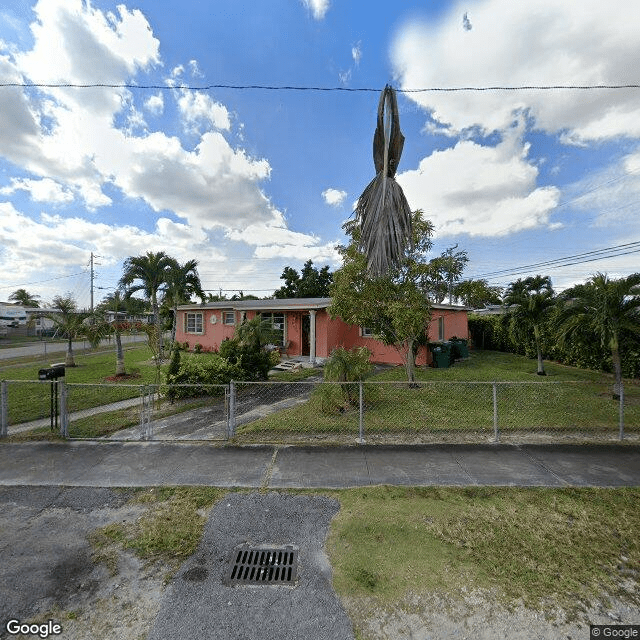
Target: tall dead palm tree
183	282
604	308
149	274
383	213
530	300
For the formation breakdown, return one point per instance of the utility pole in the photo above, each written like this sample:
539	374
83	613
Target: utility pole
93	275
92	282
450	256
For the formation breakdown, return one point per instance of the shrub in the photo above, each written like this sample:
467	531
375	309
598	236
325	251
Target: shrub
346	367
274	358
202	371
252	359
172	371
197	348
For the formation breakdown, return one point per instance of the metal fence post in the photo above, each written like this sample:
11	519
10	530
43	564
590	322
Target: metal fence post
144	414
361	422
4	409
496	429
232	409
621	411
64	417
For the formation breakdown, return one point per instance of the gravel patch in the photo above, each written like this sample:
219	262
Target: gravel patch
476	615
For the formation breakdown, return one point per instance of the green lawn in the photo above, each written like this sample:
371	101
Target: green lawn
450	404
446	405
543	547
29	399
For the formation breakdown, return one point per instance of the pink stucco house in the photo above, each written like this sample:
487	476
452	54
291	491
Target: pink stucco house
305	327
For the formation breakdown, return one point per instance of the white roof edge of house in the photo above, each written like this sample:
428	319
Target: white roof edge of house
286	304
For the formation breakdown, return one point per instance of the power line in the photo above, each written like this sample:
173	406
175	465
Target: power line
588	256
27	284
262	87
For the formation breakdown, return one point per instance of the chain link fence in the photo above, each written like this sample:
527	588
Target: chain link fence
313	411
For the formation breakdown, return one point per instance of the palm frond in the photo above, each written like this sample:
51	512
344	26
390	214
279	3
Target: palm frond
384	216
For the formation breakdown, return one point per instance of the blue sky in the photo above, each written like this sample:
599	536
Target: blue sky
249	181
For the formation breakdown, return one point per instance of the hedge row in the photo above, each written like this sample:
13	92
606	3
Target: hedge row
500	333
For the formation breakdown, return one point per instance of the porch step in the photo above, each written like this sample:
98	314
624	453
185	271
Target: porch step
288	365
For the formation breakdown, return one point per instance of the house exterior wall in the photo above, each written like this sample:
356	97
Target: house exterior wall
329	333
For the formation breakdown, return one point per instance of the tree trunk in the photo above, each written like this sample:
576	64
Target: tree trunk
536	333
120	370
174	324
156	313
410	362
69	360
617	371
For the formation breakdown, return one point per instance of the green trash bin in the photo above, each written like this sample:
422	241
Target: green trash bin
441	355
459	347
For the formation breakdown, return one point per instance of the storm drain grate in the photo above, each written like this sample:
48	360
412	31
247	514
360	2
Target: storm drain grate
263	565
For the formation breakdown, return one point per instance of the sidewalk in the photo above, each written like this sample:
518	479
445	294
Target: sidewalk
134	464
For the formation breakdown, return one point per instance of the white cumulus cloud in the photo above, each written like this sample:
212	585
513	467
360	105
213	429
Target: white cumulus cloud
45	190
542	42
480	190
334	197
155	104
198	109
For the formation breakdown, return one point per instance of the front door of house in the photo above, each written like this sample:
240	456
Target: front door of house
306	330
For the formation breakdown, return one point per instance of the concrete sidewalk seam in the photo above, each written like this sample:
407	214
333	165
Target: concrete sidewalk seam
544	468
269	470
473	480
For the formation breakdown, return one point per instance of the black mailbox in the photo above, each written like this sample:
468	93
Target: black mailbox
52	373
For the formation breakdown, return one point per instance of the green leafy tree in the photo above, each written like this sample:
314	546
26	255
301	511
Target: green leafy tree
443	274
24	298
394	306
183	283
477	293
309	283
603	308
531	299
149	274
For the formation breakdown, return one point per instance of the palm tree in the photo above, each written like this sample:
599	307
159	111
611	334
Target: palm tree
120	368
24	298
604	308
148	273
183	282
383	213
72	324
531	299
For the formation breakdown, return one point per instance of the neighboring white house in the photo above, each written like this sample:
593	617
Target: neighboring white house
12	315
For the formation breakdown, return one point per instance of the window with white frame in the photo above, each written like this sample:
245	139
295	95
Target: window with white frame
441	328
366	332
228	317
193	322
277	321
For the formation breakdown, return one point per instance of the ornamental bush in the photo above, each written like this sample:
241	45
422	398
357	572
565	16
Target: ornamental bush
253	360
201	371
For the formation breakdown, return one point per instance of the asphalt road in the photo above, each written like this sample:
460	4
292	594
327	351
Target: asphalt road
45	348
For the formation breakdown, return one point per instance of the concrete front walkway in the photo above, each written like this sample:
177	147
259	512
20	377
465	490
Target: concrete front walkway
132	464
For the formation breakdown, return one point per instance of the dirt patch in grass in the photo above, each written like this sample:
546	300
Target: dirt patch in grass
122	377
